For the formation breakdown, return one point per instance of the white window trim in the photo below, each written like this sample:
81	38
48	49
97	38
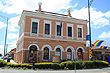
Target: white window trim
35	20
50	49
72	50
70	25
58	23
61	48
48	22
80	26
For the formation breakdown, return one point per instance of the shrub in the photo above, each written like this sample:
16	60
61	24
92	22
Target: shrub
85	64
19	65
62	66
43	65
24	68
2	63
55	66
69	65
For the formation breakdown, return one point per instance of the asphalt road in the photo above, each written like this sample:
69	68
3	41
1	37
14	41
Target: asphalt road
103	70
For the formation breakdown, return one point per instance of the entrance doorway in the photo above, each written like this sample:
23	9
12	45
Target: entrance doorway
33	54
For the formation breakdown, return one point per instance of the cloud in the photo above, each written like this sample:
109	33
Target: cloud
13	23
1	5
12	45
17	6
12	36
98	19
2	49
107	14
105	35
101	23
2	25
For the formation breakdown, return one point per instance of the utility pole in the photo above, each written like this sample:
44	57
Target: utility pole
89	4
5	34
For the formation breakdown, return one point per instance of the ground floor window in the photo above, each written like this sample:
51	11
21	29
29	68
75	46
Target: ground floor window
69	54
80	54
33	53
58	52
46	53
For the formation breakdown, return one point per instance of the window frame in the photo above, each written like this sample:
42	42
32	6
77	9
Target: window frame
80	26
70	25
58	23
37	21
47	29
34	27
48	54
47	22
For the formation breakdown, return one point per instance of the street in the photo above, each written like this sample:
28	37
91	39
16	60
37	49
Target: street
103	70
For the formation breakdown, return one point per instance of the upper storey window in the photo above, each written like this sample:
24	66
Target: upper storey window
80	31
47	29
69	31
58	30
34	27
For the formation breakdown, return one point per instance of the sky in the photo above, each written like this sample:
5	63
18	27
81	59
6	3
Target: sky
12	9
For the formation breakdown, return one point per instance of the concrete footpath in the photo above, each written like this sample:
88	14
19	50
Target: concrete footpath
103	70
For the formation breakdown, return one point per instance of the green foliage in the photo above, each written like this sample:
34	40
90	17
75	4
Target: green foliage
63	65
24	68
55	66
0	54
2	63
19	65
85	64
69	65
43	65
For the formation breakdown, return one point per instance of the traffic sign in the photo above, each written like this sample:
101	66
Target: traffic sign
90	48
90	56
90	52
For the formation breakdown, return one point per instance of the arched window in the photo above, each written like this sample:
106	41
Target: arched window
33	53
46	53
58	52
69	54
80	54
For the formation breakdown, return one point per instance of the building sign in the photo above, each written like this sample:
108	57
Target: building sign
90	53
56	59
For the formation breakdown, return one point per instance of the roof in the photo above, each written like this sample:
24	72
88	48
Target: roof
51	14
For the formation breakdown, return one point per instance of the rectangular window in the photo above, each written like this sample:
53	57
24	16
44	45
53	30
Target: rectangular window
69	31
58	30
79	33
34	27
47	29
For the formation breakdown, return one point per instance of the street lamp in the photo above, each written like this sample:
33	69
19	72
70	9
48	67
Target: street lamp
5	33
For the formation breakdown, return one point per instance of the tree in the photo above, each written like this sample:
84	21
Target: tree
0	54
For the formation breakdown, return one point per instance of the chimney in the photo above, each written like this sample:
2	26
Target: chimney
69	14
39	9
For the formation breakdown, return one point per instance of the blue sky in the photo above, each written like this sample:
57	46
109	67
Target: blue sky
100	16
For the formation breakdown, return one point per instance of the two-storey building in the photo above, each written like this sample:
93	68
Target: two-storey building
43	35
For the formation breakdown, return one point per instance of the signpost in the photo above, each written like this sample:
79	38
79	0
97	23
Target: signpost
75	60
90	53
